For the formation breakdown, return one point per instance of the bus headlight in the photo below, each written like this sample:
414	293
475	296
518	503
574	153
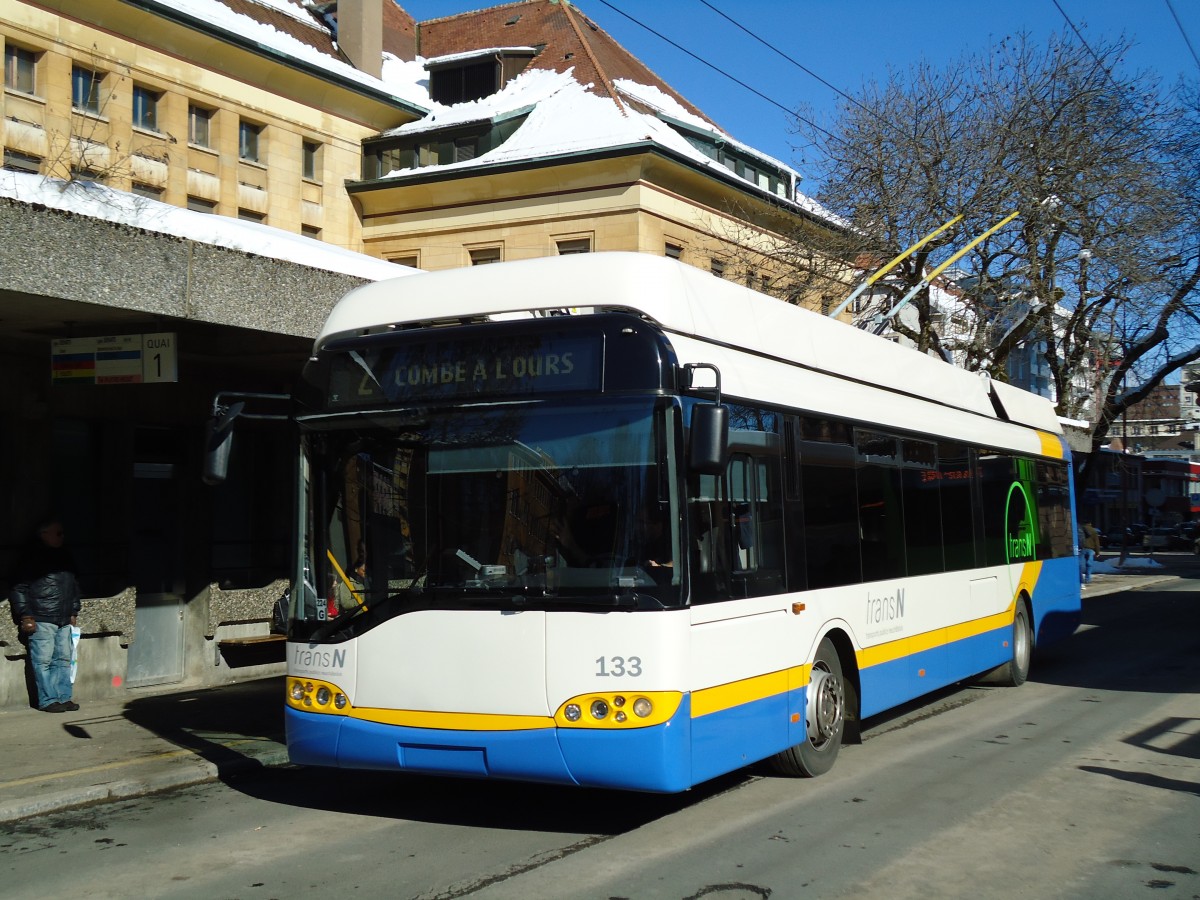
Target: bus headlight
599	709
642	707
572	712
316	696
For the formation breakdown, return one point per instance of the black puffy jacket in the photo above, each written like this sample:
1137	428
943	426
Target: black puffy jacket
46	588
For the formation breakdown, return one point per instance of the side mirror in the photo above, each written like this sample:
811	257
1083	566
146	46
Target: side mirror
218	443
708	440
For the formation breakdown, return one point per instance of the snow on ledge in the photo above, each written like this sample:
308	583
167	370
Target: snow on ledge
98	201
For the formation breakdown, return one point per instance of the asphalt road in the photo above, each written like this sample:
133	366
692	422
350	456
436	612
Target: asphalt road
1084	783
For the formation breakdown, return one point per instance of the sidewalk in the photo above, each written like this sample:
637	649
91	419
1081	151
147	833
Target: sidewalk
127	748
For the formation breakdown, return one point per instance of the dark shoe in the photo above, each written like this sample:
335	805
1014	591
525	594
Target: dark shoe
54	707
69	706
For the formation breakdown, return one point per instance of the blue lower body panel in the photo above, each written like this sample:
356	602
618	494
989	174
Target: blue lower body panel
736	737
892	683
656	758
1056	602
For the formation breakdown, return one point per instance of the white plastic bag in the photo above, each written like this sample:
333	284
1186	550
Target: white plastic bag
75	633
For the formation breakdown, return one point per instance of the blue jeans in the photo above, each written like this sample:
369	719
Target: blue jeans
1088	556
50	656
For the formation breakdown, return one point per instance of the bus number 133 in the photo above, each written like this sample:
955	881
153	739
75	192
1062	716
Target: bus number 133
618	666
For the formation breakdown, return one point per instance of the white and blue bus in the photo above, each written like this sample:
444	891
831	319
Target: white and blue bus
608	520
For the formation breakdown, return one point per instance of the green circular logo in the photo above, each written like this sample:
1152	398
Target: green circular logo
1020	535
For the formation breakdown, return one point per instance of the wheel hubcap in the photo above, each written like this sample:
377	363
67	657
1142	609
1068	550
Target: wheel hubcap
1021	642
826	705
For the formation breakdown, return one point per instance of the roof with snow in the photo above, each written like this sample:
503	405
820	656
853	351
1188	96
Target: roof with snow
583	91
301	32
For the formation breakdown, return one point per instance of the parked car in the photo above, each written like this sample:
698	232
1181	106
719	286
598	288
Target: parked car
1158	538
1183	536
1113	539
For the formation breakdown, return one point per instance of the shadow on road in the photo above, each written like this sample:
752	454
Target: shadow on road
480	804
228	725
1143	641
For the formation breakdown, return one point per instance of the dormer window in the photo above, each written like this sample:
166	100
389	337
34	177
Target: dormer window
395	153
458	84
472	76
744	164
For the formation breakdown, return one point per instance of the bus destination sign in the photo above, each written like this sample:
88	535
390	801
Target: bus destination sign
446	370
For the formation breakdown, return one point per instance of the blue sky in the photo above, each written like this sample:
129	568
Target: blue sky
847	43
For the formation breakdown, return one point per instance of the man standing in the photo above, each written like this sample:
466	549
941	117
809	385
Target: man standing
45	602
1091	546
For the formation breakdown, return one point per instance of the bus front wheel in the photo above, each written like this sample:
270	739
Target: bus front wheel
825	717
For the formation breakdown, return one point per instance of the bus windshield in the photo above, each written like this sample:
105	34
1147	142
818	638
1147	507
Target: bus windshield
528	505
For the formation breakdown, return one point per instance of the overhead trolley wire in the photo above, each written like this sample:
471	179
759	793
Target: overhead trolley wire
1087	46
1186	39
803	68
720	71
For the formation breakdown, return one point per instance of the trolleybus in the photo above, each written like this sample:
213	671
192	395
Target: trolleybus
608	520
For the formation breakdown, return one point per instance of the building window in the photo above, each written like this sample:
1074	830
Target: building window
20	66
22	162
147	190
409	260
311	231
312	157
482	256
465	149
249	215
248	140
85	89
574	245
717	268
82	173
145	109
199	204
428	155
673	251
199	126
461	83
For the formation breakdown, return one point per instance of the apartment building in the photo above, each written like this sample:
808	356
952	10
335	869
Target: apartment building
153	99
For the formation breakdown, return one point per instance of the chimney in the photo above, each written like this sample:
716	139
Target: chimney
360	34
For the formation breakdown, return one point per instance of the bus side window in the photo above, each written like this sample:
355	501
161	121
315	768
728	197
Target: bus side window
830	509
706	509
737	526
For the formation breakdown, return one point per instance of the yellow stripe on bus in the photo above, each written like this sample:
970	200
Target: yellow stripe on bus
1052	445
451	721
738	693
893	650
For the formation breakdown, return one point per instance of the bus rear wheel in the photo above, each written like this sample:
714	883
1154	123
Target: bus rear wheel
825	718
1014	672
